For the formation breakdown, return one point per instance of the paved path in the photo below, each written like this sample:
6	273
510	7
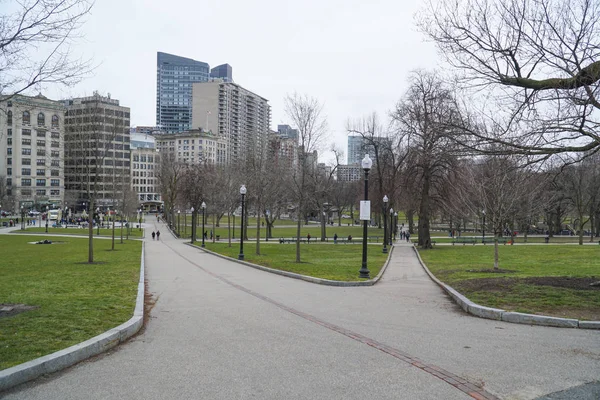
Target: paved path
221	330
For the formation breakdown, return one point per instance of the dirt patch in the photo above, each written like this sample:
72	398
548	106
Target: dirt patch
503	284
494	271
8	310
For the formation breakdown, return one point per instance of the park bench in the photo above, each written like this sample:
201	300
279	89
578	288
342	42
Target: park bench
502	240
373	238
293	240
464	240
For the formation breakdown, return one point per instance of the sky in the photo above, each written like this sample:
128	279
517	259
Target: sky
353	56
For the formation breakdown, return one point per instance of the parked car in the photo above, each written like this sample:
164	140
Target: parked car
33	213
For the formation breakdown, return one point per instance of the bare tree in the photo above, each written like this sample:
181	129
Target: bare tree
34	44
537	62
306	113
422	119
168	176
194	180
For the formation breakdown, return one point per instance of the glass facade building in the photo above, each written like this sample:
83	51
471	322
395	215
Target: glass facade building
223	71
174	78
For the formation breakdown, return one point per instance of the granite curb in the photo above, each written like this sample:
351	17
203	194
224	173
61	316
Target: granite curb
503	315
307	278
62	359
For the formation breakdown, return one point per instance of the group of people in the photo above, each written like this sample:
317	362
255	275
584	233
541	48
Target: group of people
405	235
156	235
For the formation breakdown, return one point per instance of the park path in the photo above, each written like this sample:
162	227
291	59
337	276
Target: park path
222	330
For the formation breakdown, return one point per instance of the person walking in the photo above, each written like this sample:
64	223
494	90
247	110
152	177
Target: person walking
157	234
335	236
408	236
153	235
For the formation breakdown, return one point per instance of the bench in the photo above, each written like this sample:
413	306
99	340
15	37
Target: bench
373	238
502	240
293	240
464	240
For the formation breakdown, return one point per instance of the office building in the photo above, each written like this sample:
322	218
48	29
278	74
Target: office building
283	150
31	133
174	78
144	168
359	146
96	133
237	115
287	132
349	173
223	71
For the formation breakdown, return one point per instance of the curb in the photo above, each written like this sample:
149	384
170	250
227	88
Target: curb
503	315
311	279
62	359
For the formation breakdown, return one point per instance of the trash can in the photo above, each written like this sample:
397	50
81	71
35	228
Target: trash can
218	237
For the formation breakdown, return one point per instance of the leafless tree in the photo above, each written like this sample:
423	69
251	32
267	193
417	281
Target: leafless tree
422	119
306	113
536	63
168	176
193	186
35	36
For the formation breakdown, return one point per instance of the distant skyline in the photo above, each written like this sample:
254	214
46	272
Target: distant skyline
353	56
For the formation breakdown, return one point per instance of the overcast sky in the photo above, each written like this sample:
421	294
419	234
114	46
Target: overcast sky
354	56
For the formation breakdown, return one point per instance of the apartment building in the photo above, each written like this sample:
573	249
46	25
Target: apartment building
239	116
31	133
144	168
194	146
97	150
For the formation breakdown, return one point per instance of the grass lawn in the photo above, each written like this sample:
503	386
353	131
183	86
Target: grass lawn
552	280
75	301
443	238
136	233
321	260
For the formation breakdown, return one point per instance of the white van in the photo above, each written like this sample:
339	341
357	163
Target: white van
53	215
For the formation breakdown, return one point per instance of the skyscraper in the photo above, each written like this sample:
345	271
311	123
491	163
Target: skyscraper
222	71
174	78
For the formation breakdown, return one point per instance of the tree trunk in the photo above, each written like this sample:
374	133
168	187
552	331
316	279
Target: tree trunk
424	239
90	235
258	227
496	263
229	228
323	224
298	228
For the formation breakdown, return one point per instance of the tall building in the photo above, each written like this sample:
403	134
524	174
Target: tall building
144	168
96	132
287	132
174	78
194	146
237	115
283	150
31	147
223	71
358	147
349	173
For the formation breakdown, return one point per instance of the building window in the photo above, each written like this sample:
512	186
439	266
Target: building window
41	152
25	132
41	143
40	192
55	163
26	161
9	161
55	121
9	118
26	118
26	192
8	171
55	153
55	192
40	172
41	161
55	144
26	182
26	152
26	142
54	182
9	132
54	172
41	119
9	141
40	182
54	135
26	171
9	182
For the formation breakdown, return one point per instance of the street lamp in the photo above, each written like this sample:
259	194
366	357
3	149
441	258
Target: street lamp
391	225
365	216
203	205
385	239
395	224
178	223
193	228
243	193
483	227
140	218
22	218
98	216
184	222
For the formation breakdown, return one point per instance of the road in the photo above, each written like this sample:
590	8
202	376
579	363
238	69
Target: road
222	330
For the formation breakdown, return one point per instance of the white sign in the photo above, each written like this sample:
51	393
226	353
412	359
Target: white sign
365	210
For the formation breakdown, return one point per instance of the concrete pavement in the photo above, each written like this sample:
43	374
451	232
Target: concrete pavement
222	330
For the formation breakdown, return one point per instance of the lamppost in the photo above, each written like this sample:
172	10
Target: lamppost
98	214
203	205
243	193
365	212
140	218
184	222
483	227
391	225
193	228
395	224
385	239
178	223
22	218
47	217
267	213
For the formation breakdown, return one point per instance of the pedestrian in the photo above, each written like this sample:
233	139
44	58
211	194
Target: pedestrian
408	236
153	235
211	234
157	234
308	237
349	238
335	238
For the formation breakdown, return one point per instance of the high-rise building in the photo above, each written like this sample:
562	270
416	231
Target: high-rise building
174	78
31	148
144	169
359	146
237	115
97	150
349	173
287	132
194	146
284	150
223	71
